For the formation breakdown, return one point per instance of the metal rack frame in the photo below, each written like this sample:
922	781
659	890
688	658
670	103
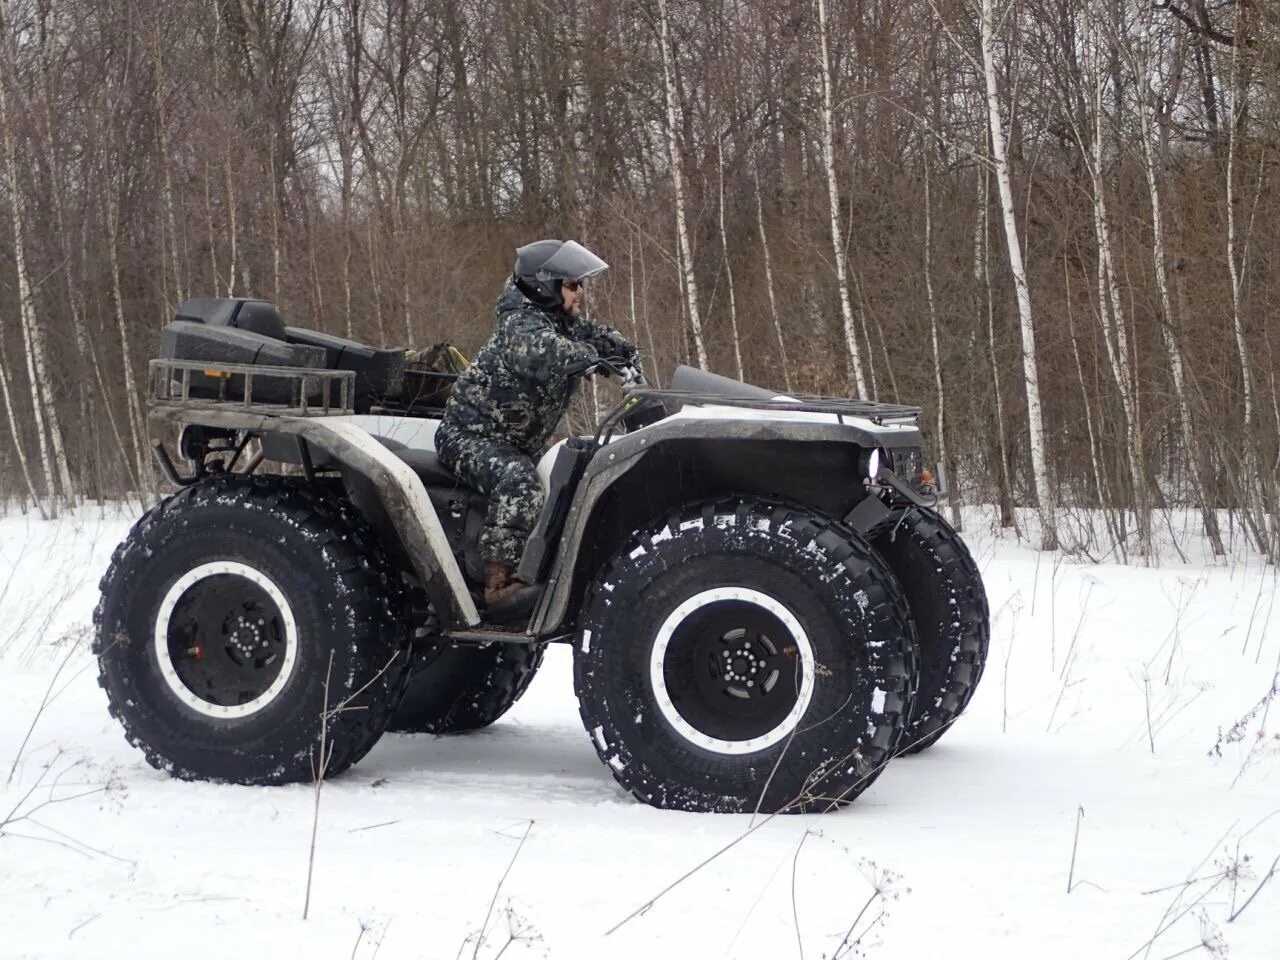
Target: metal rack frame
170	384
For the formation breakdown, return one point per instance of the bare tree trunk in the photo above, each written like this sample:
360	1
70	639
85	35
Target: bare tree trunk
1111	310
1031	377
231	222
57	183
166	166
1250	481
728	267
275	220
137	428
1191	449
15	433
768	279
635	317
1096	472
833	197
377	289
953	499
983	253
677	175
42	396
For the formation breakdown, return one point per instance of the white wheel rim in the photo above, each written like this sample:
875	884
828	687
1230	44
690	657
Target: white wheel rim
658	680
165	658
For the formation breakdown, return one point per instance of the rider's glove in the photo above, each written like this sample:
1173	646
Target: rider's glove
614	344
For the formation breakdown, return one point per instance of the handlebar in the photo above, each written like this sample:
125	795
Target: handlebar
626	371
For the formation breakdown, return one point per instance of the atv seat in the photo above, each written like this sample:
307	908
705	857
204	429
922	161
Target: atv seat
426	464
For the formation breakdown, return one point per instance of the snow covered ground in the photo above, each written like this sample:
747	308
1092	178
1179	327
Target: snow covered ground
1126	703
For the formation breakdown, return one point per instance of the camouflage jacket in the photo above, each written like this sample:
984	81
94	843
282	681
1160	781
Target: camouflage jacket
517	388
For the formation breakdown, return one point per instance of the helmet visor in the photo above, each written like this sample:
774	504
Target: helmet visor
572	261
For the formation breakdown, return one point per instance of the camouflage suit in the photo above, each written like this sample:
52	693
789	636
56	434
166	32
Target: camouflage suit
505	406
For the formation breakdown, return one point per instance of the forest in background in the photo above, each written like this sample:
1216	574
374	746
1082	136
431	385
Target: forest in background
1052	225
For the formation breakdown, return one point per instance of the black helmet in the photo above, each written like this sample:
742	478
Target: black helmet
541	266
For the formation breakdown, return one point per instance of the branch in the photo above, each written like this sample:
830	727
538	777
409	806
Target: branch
1203	29
1270	873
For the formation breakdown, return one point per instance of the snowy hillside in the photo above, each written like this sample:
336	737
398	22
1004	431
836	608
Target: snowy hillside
1114	792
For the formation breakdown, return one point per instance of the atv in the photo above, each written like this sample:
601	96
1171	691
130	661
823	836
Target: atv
764	606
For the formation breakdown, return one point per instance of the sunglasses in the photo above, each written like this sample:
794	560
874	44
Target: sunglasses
571	285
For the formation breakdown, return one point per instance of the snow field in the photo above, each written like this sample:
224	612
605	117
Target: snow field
1136	695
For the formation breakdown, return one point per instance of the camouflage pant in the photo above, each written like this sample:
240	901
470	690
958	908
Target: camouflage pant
506	475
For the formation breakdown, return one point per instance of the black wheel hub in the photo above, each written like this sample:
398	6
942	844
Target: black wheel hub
732	670
226	640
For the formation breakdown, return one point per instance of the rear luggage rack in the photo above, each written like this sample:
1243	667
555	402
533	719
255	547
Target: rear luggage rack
309	391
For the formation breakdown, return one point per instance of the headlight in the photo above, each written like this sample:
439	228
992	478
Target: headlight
872	460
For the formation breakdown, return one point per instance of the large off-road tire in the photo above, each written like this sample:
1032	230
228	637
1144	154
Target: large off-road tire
243	621
745	655
949	605
453	689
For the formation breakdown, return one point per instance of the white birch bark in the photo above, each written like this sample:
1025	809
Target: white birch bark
16	433
833	198
1031	377
677	176
728	267
57	180
768	279
231	221
983	267
1237	321
1111	306
1250	481
42	394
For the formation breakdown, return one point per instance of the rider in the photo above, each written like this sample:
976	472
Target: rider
504	407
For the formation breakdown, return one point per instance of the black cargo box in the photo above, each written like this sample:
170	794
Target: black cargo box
241	313
188	340
379	371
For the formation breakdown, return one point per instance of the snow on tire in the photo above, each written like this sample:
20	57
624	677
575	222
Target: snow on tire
745	655
949	605
234	617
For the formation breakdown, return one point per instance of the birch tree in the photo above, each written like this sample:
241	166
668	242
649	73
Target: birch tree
728	267
685	248
833	203
1110	302
1030	374
768	280
1154	141
43	400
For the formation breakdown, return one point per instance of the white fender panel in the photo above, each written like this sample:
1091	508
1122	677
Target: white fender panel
415	494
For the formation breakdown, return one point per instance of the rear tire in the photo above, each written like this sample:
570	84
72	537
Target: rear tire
236	615
455	689
745	655
944	590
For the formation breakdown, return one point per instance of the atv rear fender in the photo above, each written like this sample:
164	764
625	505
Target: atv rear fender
400	493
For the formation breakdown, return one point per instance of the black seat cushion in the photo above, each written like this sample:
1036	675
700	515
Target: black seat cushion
428	467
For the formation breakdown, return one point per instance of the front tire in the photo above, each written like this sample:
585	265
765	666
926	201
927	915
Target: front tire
240	619
745	655
949	605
